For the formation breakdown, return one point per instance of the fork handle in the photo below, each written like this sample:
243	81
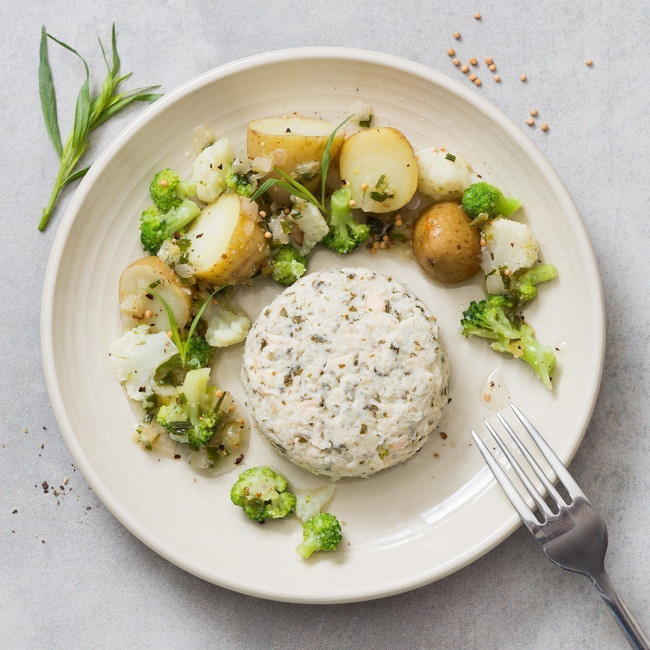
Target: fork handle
636	637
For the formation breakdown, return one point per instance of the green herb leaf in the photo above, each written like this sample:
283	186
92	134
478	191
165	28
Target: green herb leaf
78	174
327	157
378	196
366	123
450	156
48	97
263	188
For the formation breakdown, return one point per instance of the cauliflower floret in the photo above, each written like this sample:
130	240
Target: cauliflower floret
309	503
225	326
311	223
443	176
509	245
135	357
209	170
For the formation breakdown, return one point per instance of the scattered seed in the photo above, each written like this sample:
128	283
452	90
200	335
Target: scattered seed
473	61
489	60
456	62
262	214
352	203
544	127
492	67
523	77
477	82
530	121
589	63
473	77
477	16
268	235
364	186
533	112
451	51
497	78
464	68
457	35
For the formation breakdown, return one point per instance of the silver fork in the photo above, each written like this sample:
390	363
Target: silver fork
571	533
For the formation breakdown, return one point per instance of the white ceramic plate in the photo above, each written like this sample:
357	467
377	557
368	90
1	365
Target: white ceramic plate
406	526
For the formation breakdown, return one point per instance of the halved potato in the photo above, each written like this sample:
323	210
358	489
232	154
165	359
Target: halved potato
380	168
295	145
227	244
138	305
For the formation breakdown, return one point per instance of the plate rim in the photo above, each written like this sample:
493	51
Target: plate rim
211	76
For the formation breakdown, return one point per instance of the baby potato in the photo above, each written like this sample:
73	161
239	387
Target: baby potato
138	305
446	247
227	245
380	168
295	145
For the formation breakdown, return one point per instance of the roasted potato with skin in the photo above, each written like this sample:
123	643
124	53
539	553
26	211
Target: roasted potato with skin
446	247
138	305
227	245
380	168
295	145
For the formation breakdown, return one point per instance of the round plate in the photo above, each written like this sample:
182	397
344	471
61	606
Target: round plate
406	526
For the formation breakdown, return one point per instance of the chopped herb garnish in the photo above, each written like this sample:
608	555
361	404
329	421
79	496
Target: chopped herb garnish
378	196
367	122
450	156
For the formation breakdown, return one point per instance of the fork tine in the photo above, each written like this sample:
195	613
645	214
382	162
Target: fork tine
556	464
532	490
511	491
550	488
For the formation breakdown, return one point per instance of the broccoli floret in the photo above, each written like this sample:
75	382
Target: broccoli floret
239	183
322	533
156	226
345	233
288	265
263	494
485	199
167	190
495	319
524	286
198	353
194	416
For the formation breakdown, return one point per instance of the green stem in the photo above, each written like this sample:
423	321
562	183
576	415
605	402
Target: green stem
69	161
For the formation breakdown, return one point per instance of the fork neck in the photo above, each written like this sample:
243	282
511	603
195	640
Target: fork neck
636	637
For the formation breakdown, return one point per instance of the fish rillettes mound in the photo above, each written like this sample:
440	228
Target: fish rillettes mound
344	373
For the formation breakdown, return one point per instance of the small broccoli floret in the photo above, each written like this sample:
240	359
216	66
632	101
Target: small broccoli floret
488	318
485	199
322	533
288	265
495	319
524	286
345	233
263	494
167	190
239	183
198	353
194	416
157	226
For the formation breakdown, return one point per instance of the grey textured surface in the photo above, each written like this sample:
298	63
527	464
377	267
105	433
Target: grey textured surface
73	577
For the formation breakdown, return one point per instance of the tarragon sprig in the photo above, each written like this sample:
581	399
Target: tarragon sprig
176	335
89	112
292	186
